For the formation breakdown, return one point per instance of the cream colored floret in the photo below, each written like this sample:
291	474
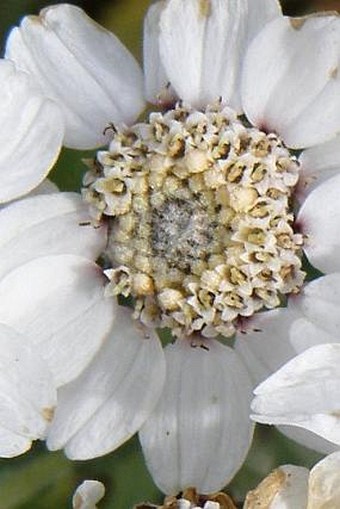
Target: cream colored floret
201	226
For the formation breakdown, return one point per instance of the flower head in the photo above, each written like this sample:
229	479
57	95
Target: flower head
199	212
200	219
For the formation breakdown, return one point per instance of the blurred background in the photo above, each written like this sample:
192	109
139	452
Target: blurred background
40	479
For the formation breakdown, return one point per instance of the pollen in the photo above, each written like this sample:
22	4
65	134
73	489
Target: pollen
200	217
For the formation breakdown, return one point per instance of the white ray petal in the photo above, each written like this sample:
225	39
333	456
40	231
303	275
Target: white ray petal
58	302
83	67
157	87
27	393
113	397
305	392
318	164
308	439
202	45
304	333
30	136
199	433
264	344
319	302
46	187
319	218
291	82
47	225
13	444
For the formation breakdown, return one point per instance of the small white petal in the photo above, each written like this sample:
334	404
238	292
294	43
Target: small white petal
47	225
30	136
305	392
324	483
157	86
113	397
88	494
83	67
308	439
319	163
304	334
264	344
58	302
320	303
202	45
200	432
319	218
27	394
290	82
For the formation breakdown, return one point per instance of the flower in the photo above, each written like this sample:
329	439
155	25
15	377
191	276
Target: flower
292	487
197	204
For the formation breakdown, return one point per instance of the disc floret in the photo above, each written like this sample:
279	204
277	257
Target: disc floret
199	207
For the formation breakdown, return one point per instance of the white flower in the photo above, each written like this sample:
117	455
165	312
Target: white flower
88	494
292	487
57	300
190	400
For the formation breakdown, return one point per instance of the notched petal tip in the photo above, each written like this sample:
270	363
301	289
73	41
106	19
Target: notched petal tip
205	8
299	100
74	59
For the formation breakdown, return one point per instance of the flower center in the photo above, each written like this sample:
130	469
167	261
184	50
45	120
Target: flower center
199	207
